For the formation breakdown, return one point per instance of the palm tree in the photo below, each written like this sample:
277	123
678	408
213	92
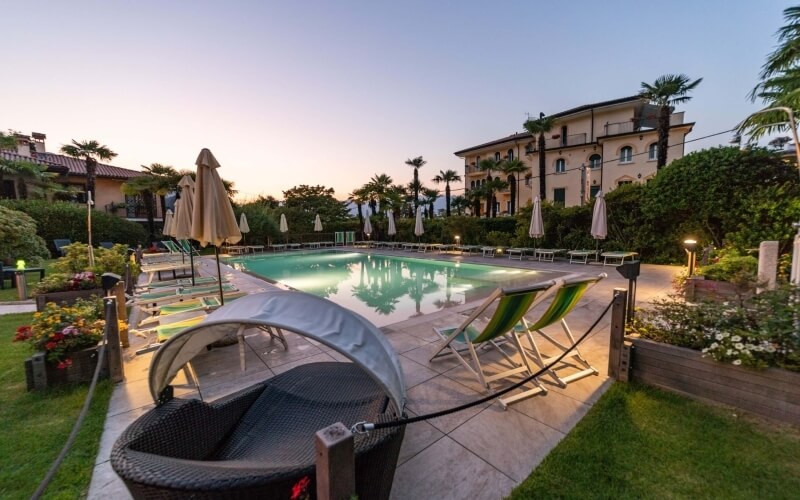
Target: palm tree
492	187
145	187
488	165
665	92
780	81
166	181
431	195
379	185
90	152
447	176
474	197
538	128
459	203
513	168
416	163
359	197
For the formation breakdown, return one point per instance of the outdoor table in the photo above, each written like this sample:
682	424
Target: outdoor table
614	256
10	273
580	256
548	254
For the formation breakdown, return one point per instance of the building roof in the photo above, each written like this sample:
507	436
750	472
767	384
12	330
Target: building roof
10	155
572	111
73	166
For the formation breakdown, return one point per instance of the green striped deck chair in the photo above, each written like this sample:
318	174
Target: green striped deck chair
179	294
164	332
339	238
564	301
208	303
350	238
183	282
462	341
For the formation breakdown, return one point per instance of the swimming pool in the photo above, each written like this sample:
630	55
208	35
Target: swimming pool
386	289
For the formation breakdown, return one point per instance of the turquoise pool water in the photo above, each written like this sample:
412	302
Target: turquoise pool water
386	289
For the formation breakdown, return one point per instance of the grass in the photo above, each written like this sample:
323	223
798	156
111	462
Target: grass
10	294
640	442
36	425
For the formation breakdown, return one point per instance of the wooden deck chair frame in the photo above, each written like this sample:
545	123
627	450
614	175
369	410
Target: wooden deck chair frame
512	304
568	295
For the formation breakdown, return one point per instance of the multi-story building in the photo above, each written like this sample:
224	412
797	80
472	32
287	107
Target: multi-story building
591	147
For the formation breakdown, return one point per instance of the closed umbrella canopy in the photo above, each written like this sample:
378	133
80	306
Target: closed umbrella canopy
419	230
367	225
182	221
213	220
174	221
795	276
284	227
536	229
167	223
599	224
392	228
317	224
243	226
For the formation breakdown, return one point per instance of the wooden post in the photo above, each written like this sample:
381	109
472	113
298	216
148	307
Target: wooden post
336	469
113	350
122	311
618	313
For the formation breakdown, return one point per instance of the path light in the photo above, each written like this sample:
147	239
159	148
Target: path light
20	264
458	240
691	246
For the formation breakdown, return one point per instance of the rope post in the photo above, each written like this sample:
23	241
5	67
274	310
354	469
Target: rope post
122	311
336	463
617	334
115	369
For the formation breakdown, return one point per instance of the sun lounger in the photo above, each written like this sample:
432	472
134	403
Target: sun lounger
294	246
60	244
160	267
339	237
349	237
181	282
548	254
580	256
617	258
566	298
206	304
446	247
490	251
409	247
166	297
519	252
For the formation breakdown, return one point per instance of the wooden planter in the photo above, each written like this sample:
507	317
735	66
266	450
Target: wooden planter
699	289
41	374
772	393
68	298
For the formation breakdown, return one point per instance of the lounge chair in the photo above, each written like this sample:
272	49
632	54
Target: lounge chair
339	238
258	443
581	256
349	237
180	282
548	254
512	304
519	252
205	303
106	244
159	267
566	297
60	244
617	258
161	297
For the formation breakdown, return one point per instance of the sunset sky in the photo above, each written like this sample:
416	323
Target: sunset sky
331	93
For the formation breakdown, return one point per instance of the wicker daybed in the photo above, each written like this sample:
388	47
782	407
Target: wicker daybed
259	442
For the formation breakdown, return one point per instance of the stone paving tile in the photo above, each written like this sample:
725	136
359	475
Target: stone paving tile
441	393
317	358
418	436
414	372
446	470
113	427
422	354
106	484
553	409
402	342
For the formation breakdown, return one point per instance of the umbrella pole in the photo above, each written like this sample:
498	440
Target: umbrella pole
597	250
219	276
191	259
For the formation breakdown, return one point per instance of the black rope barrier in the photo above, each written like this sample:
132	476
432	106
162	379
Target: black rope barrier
362	427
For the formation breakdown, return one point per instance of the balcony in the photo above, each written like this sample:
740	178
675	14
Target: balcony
627	127
572	140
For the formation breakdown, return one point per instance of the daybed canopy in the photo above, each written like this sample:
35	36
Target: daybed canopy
308	315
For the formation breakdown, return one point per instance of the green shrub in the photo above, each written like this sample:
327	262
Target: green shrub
18	239
64	220
498	238
106	260
741	270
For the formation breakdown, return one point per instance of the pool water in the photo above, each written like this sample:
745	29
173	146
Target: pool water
386	289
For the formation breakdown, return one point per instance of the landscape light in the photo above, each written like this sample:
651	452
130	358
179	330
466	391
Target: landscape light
691	245
20	264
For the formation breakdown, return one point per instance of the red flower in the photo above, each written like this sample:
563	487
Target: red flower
65	364
50	346
23	333
299	490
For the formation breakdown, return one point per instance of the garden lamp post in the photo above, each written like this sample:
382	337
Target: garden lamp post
691	246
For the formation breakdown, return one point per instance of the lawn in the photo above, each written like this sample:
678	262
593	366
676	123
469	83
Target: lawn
640	442
10	294
36	425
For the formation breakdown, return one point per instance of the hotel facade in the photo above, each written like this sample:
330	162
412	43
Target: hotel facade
590	148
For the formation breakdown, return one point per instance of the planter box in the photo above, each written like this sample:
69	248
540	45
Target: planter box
699	289
40	374
771	393
65	297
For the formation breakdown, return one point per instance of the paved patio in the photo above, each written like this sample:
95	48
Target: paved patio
482	452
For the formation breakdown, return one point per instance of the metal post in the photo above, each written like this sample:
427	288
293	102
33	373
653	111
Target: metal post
336	469
122	311
115	368
617	334
22	285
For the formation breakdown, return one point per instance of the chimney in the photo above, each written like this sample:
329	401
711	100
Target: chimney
23	145
38	143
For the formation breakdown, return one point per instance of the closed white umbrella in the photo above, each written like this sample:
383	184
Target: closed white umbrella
367	226
317	224
418	228
182	220
174	221
284	226
213	220
795	276
536	229
167	223
244	227
599	222
392	228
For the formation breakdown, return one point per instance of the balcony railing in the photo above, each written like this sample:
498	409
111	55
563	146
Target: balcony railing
626	127
572	140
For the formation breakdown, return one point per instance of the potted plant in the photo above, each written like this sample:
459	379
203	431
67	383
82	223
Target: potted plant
66	288
65	338
730	276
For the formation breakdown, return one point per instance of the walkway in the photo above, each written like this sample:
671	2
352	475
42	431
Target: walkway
480	453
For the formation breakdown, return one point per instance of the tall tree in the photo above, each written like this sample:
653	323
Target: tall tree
514	170
447	176
166	180
667	91
538	128
431	195
359	197
89	152
474	198
379	186
492	187
459	203
488	165
144	186
414	188
313	200
779	84
416	163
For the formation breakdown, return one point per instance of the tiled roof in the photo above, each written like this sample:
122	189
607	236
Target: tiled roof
527	136
51	167
78	167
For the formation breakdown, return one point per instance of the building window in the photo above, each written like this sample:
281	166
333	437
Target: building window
508	207
472	185
626	154
497	179
595	161
561	166
510	154
497	156
527	180
622	183
593	190
564	135
560	196
652	152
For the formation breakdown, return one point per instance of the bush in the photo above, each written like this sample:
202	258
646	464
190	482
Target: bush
106	260
741	270
18	239
64	220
